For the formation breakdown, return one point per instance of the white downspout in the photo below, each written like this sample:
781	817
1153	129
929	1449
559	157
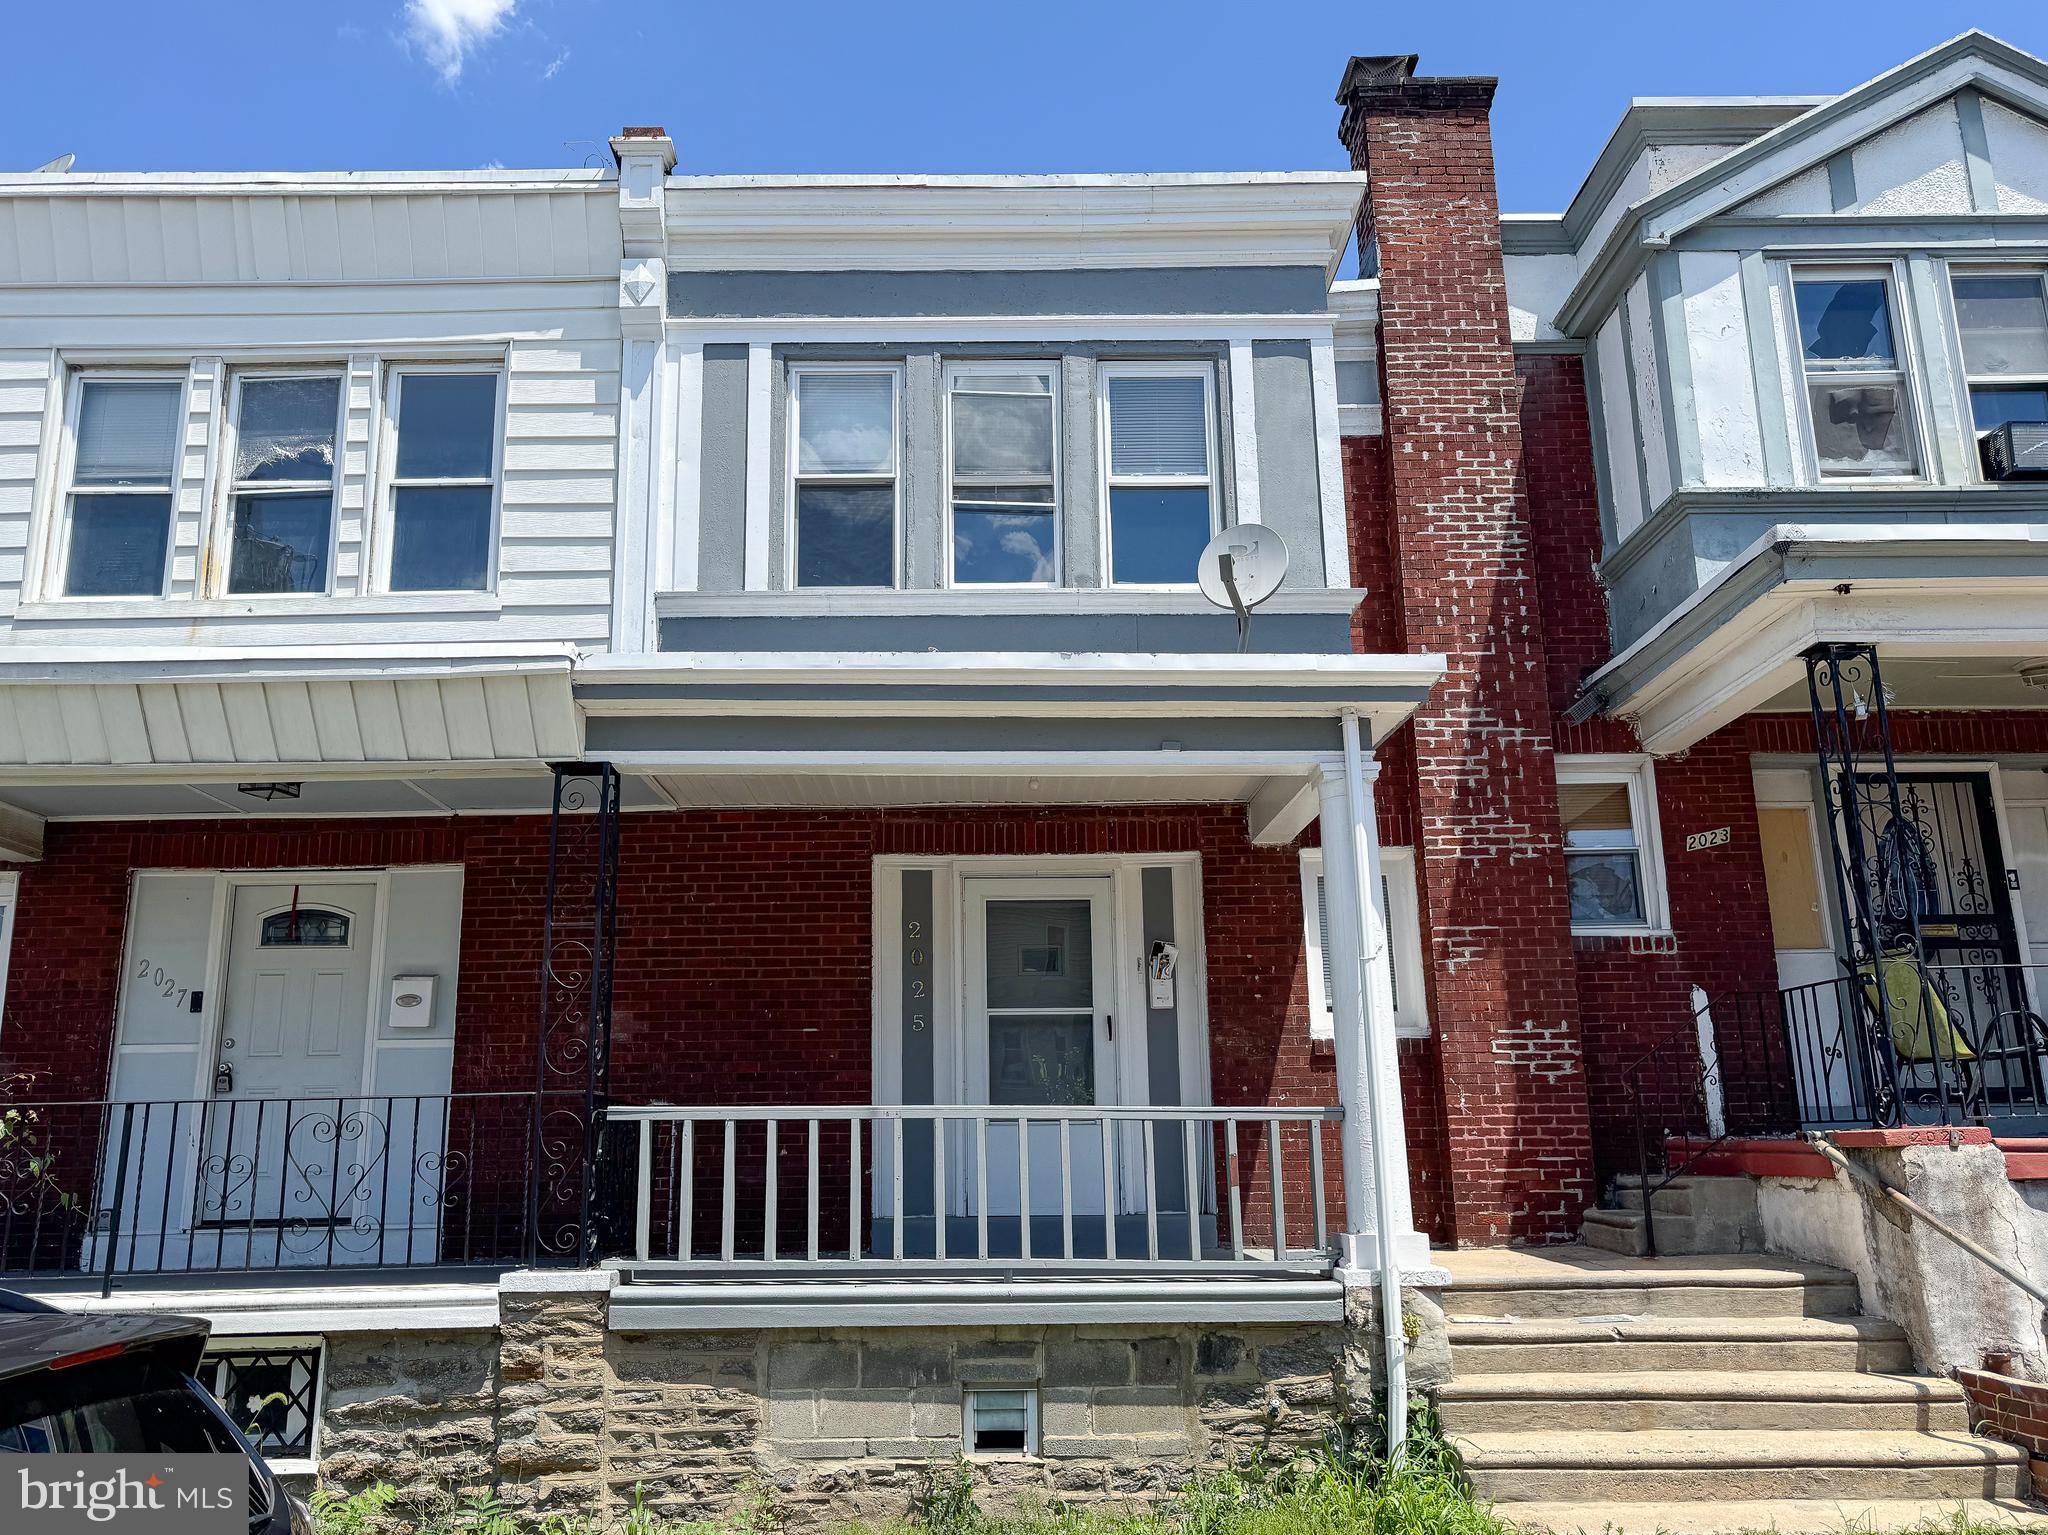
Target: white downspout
1386	1116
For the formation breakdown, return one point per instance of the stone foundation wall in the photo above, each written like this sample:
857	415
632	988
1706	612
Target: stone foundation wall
556	1412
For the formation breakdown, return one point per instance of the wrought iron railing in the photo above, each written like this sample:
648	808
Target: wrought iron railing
210	1185
1005	1188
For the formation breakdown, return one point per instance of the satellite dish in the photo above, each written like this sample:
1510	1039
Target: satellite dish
56	167
1241	568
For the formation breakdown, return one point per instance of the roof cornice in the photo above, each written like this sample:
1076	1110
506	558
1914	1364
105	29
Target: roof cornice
994	223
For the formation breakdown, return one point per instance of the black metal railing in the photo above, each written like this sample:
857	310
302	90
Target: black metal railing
210	1185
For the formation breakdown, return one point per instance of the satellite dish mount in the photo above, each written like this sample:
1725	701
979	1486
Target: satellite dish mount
1241	568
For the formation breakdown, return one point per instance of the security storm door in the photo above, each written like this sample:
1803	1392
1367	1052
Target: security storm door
292	1145
1039	1031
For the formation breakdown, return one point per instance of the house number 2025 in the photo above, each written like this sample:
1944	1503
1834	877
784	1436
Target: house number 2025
916	959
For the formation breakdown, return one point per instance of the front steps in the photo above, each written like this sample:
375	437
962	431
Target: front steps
1700	1395
1695	1214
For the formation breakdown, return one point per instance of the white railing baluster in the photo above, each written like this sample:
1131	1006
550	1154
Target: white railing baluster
1230	1171
1315	1184
811	1190
725	1229
896	1175
1151	1191
1110	1150
1187	1189
939	1200
643	1209
981	1187
768	1216
686	1230
1279	1189
856	1175
1066	1192
1023	1186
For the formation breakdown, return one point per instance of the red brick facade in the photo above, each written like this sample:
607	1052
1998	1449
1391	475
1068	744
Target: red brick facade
745	944
1442	516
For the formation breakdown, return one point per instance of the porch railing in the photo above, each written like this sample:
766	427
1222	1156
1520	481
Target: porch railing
1004	1189
113	1189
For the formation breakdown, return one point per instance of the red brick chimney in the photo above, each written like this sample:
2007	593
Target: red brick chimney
1453	518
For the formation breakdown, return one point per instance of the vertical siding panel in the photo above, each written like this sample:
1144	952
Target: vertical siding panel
428	222
357	241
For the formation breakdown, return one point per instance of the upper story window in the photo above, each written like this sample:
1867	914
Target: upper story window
1859	408
2004	322
124	448
444	479
281	516
1002	435
1160	476
843	423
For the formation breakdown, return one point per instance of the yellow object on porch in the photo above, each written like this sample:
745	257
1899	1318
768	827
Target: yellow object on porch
1915	1008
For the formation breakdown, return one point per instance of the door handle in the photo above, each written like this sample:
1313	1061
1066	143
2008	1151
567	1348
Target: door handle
1109	1022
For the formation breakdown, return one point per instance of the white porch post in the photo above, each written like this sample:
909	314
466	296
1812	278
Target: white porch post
1375	1144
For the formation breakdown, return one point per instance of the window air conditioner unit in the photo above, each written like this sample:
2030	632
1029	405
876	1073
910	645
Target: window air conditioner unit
2018	450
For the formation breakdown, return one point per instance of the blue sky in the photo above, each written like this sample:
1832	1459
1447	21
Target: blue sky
796	85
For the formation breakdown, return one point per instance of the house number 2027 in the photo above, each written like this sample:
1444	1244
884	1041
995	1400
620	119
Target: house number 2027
158	979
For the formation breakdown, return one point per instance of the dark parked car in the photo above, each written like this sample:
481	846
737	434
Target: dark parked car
114	1383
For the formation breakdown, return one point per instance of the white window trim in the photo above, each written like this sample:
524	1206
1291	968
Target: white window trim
793	407
1203	368
1403	949
219	532
955	371
58	545
381	536
1638	774
1908	367
1962	272
1031	1441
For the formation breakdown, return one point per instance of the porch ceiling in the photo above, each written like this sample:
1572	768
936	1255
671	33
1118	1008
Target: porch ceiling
509	793
1954	610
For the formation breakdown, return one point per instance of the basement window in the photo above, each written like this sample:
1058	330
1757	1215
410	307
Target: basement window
1001	1422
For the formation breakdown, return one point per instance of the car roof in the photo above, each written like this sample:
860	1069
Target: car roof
33	1336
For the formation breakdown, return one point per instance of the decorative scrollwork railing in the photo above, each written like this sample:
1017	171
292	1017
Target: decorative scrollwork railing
211	1184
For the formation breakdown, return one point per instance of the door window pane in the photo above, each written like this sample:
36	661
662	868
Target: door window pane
127	432
280	543
117	545
441	538
1044	1059
1040	955
286	429
845	535
448	426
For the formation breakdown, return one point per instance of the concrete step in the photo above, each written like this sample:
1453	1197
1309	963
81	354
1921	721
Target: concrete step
1783	1517
1786	1401
1497	1346
1675	1465
1702	1298
1615	1231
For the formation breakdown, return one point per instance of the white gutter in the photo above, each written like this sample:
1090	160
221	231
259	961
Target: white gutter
1032	668
1385	1113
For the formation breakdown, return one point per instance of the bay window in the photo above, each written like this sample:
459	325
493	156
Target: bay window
843	424
1859	408
124	453
2003	317
1161	471
1001	442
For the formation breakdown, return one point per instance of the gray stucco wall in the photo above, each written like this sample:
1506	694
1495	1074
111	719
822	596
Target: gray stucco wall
1290	495
722	533
1124	291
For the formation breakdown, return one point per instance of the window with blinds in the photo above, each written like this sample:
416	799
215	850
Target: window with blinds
1160	474
124	445
1403	954
843	522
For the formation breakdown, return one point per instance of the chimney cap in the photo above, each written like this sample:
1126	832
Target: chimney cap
655	132
642	140
1370	70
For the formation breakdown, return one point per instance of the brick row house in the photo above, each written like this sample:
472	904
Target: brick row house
629	765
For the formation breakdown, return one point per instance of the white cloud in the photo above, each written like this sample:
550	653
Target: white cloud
446	32
555	65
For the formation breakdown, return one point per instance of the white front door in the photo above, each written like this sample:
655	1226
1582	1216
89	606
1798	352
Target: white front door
295	1155
1039	1030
